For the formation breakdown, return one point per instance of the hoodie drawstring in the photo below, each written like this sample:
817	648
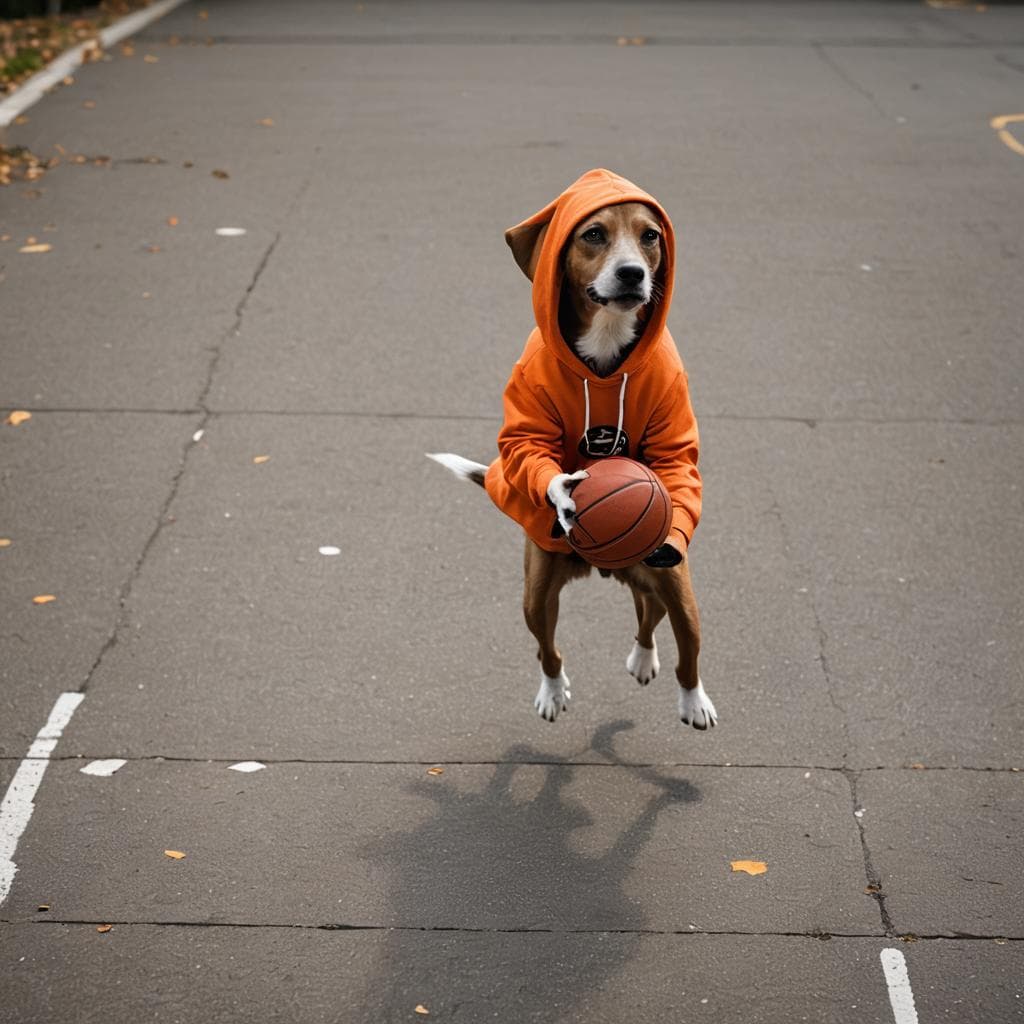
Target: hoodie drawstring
586	414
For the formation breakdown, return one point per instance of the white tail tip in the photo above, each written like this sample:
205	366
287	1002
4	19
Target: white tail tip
464	469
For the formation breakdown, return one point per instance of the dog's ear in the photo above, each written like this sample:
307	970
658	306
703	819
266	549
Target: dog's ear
526	241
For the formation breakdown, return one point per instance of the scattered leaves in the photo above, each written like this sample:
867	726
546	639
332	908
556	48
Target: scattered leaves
174	854
17	417
104	928
44	598
218	173
436	770
260	459
36	247
751	867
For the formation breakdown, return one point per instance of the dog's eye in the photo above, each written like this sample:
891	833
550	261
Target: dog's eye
649	237
593	235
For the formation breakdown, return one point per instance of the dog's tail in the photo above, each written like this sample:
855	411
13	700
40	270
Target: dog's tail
464	469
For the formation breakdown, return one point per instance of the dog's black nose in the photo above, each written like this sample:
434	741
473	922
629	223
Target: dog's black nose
630	273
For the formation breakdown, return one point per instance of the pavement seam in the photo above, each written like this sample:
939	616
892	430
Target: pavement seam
337	927
874	887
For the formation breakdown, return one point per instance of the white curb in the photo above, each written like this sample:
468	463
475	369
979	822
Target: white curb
33	89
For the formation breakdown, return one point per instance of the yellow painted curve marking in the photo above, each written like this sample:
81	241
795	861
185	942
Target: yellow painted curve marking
1000	123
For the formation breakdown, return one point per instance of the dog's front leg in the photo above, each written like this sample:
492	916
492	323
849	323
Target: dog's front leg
544	576
675	590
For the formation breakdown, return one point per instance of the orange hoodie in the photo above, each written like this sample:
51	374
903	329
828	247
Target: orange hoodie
554	401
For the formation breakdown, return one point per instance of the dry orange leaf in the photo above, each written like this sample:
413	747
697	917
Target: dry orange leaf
420	1008
174	854
102	928
18	416
436	770
260	459
172	222
44	598
751	867
36	247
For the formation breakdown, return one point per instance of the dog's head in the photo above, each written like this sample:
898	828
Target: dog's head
611	257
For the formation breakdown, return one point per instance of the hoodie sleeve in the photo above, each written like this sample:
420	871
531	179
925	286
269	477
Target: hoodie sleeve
530	440
670	448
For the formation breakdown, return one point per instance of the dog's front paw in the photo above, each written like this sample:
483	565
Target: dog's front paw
642	663
553	696
696	709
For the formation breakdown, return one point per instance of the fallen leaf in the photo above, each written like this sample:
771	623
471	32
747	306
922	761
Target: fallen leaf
218	173
751	867
102	928
266	122
174	854
17	417
36	247
5	542
436	770
172	222
150	59
44	598
260	459
420	1008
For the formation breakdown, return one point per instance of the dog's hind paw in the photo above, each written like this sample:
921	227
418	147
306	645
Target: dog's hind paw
642	663
696	709
553	696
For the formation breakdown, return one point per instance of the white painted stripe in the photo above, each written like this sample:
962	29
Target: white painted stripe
33	89
901	997
16	809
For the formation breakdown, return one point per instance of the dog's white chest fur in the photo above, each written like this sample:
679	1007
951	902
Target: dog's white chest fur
608	335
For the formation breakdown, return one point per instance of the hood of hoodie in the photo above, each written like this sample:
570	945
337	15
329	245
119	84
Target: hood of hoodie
591	192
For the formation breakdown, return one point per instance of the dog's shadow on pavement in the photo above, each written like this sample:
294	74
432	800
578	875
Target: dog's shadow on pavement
510	902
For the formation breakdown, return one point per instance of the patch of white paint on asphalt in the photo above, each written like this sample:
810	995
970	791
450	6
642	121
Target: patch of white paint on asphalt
16	809
33	89
104	767
901	996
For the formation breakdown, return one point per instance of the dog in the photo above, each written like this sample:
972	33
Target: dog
601	261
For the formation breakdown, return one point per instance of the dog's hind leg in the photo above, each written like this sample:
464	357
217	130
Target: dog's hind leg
545	574
642	663
674	589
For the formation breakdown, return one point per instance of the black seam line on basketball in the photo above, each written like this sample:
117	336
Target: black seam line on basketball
606	497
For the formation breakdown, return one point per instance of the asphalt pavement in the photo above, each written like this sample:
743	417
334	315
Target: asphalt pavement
212	412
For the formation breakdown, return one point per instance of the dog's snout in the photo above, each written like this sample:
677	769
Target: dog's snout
630	273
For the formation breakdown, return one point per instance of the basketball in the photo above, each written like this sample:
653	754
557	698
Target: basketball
623	513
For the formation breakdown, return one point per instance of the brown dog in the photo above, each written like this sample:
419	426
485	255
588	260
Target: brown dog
608	282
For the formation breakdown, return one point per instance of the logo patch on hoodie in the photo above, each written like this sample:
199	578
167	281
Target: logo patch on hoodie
602	442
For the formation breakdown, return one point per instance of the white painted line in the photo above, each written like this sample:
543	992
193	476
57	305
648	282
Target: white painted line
104	767
901	997
33	89
16	809
247	766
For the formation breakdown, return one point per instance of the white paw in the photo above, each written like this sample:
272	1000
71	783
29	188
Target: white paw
696	709
553	696
642	663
